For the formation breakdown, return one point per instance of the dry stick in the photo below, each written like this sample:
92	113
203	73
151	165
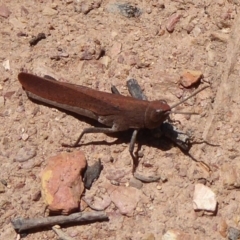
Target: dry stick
21	224
62	235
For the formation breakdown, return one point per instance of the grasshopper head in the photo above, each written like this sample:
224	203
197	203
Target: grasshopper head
156	113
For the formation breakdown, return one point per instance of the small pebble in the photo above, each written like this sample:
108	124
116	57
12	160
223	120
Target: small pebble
30	164
204	198
115	49
5	141
31	121
9	94
24	11
135	183
57	226
6	65
125	199
63	54
172	21
115	183
54	6
25	136
148	10
221	37
17	24
105	60
86	7
4	11
190	77
92	173
233	233
20	109
149	236
230	176
175	234
125	9
73	233
36	196
4	182
47	11
25	154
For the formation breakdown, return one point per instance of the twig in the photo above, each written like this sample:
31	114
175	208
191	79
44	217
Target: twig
21	224
61	234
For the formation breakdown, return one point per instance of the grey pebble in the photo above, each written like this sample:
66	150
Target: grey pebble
125	9
135	183
92	173
25	154
233	233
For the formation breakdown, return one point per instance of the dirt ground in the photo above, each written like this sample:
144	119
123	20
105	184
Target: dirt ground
96	44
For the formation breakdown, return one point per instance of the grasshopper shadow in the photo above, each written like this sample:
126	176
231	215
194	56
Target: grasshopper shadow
144	138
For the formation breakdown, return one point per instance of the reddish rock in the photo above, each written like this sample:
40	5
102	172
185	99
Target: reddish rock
172	21
115	174
190	77
125	199
62	183
128	58
98	203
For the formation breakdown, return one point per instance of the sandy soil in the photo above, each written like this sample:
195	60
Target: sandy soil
94	44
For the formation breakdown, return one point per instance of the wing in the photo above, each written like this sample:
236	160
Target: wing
59	93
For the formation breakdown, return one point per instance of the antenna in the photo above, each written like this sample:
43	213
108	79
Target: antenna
185	99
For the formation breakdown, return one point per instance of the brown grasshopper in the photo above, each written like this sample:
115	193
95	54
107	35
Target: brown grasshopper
117	112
